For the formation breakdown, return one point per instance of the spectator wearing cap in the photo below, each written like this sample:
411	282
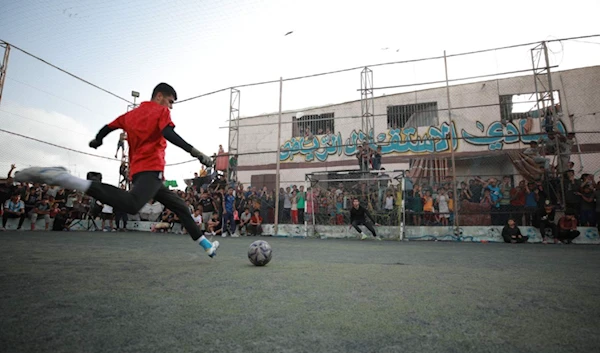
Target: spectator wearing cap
512	234
545	221
567	228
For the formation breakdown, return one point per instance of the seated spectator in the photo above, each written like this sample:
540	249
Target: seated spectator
54	210
544	220
165	223
244	221
13	208
42	208
512	234
567	228
62	221
255	225
214	224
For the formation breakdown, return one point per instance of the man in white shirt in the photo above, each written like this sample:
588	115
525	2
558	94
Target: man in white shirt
13	208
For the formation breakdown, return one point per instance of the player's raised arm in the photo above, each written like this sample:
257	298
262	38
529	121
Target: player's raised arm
170	135
106	129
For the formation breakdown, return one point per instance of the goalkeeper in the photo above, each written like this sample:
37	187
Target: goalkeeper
148	129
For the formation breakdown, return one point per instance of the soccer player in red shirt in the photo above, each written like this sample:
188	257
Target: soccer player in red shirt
148	129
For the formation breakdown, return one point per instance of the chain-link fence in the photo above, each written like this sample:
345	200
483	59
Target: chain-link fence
475	138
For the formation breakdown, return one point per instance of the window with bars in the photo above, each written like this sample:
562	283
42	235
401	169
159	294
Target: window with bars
522	106
412	115
315	124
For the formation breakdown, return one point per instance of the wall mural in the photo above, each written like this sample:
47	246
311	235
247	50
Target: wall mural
408	140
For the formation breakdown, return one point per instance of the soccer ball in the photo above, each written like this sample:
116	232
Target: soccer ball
260	253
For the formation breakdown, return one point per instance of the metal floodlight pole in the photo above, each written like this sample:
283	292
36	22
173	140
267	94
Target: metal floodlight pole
452	138
367	102
277	177
4	66
234	127
554	124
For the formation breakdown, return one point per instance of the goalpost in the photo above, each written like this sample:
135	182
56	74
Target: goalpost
330	195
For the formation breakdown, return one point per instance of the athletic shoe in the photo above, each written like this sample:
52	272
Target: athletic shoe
364	237
212	252
2	229
42	175
378	238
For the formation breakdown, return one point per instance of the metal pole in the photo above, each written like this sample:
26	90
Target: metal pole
535	84
3	68
452	137
553	112
402	207
276	226
305	206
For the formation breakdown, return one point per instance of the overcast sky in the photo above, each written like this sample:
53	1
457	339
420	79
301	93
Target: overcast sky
202	46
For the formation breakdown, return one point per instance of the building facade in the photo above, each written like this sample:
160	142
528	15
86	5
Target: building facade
488	120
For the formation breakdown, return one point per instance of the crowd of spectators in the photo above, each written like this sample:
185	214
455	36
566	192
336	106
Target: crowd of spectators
239	210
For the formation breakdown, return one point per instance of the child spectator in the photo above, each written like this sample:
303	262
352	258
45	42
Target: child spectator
255	227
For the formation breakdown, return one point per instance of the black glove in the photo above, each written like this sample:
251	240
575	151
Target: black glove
204	159
95	143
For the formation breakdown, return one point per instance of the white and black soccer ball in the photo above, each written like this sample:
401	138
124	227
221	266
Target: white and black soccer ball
260	253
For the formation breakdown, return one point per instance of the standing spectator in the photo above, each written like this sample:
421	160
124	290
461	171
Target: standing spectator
517	202
572	188
377	159
233	163
416	202
512	234
567	227
287	205
443	209
531	203
301	200
492	186
13	208
121	143
294	210
228	215
505	198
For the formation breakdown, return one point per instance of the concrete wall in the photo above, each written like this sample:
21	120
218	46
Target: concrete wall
588	235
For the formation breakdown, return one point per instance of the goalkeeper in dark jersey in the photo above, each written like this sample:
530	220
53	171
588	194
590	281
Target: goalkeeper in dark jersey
358	216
